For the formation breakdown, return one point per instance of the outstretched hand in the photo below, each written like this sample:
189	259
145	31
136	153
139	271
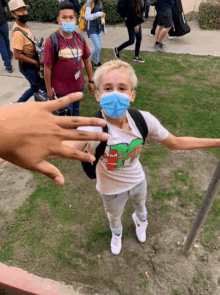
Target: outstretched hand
30	133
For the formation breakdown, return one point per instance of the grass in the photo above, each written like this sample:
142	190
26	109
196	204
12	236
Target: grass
63	233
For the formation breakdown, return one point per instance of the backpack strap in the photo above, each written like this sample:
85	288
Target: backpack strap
82	39
140	122
25	34
55	43
101	147
90	168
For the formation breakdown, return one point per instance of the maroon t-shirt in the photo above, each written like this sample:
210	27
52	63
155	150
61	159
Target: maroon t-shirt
63	80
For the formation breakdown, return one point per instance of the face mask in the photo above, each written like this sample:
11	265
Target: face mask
23	18
68	27
114	104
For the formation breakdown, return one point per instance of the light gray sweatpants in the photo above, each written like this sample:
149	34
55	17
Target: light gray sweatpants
114	205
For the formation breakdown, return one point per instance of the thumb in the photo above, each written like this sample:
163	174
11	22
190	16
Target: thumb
50	171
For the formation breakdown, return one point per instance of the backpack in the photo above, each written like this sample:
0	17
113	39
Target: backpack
152	2
39	46
122	8
82	21
55	43
90	168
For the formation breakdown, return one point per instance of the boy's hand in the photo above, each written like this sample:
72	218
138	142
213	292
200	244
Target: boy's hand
30	133
91	87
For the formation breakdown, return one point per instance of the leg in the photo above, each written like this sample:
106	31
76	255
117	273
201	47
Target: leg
164	23
100	47
147	11
163	34
7	41
137	196
28	93
131	34
95	50
157	33
155	23
3	46
114	206
138	42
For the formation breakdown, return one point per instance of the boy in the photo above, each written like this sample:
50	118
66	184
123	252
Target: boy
115	82
24	49
66	75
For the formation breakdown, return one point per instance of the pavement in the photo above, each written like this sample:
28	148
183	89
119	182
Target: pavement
198	42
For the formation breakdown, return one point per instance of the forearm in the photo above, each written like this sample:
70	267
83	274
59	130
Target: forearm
91	16
47	77
88	67
22	57
190	143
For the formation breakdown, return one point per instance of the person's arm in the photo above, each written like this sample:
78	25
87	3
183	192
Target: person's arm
92	16
189	143
88	67
47	79
29	145
21	57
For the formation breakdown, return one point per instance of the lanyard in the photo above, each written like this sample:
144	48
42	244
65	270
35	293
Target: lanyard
76	58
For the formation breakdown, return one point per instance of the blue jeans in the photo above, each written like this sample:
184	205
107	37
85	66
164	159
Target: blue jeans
73	107
36	83
96	51
114	205
147	11
132	35
5	45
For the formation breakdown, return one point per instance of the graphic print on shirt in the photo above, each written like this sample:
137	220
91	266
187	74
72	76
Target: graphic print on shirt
65	53
123	154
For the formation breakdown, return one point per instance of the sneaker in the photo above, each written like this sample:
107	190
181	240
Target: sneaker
171	37
116	53
9	70
138	59
116	244
99	64
151	35
159	47
140	228
95	66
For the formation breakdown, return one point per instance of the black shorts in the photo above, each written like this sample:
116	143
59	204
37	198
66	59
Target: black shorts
165	19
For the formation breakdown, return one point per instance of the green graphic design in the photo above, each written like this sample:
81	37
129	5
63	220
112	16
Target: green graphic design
126	151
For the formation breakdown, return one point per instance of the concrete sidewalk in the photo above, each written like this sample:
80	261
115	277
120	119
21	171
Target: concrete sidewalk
200	42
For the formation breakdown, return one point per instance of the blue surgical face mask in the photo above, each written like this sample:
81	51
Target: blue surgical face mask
68	27
114	104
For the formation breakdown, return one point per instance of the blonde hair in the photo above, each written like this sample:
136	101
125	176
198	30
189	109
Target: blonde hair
115	64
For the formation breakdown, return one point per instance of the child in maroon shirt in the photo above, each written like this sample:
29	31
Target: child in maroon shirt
66	75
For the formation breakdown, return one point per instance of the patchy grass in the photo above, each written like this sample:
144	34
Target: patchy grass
63	233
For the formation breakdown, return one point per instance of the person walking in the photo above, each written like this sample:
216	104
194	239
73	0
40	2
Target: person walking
5	50
164	12
94	28
134	23
24	49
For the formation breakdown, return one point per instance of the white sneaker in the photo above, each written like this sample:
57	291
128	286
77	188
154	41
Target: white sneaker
116	244
140	228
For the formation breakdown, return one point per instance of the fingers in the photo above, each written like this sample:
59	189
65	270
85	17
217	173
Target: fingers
74	154
74	122
50	171
83	135
62	102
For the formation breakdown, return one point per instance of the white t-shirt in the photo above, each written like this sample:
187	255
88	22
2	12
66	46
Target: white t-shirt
119	169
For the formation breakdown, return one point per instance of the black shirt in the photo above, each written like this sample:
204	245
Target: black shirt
2	13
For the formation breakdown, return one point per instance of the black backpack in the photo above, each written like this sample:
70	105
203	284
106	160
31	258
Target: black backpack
90	168
55	43
122	8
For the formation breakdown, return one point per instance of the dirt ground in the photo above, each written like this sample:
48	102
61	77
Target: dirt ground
169	271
